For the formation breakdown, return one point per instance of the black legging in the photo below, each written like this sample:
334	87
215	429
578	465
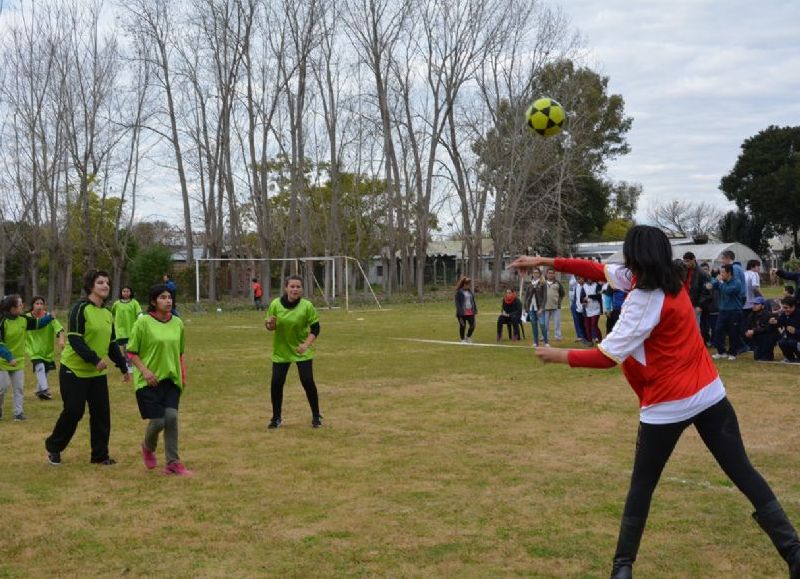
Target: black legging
719	429
462	325
279	372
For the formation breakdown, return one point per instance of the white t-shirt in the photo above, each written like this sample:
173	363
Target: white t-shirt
592	306
752	281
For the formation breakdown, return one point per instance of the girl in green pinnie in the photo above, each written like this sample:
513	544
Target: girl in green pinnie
125	310
13	326
156	349
39	346
296	325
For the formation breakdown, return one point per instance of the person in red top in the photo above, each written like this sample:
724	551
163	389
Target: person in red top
258	293
662	354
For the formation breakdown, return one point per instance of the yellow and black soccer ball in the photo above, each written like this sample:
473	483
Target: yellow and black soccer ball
546	116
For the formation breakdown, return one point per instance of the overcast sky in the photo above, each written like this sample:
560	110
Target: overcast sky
698	77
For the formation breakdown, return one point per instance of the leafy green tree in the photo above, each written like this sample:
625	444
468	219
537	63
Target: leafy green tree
765	181
616	229
148	268
744	228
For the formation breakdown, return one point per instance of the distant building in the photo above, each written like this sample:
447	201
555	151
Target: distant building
447	260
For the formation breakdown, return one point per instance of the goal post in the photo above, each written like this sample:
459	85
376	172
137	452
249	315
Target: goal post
344	262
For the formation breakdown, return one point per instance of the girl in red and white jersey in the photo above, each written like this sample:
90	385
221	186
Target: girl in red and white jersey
663	356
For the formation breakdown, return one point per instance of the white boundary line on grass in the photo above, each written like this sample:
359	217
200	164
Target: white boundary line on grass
451	343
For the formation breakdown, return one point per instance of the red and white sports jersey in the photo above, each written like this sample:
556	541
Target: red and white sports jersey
658	344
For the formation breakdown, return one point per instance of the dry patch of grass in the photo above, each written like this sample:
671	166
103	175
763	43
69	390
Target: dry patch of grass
435	460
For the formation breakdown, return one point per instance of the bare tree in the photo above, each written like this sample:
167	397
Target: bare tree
685	218
375	27
154	22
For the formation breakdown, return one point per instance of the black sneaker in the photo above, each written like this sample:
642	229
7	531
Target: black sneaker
274	423
54	458
44	395
107	462
20	417
316	422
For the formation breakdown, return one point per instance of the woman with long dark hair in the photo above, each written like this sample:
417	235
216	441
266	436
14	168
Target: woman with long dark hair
82	377
296	325
658	344
156	348
466	309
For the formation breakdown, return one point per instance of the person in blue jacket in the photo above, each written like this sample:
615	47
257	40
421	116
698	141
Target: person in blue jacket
729	320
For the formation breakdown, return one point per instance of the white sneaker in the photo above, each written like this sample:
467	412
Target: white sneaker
731	358
718	356
469	340
463	341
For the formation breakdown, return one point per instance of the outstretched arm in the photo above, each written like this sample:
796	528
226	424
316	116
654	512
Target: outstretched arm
582	267
593	358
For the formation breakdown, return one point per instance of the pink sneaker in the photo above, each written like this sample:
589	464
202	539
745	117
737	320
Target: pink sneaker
177	468
149	457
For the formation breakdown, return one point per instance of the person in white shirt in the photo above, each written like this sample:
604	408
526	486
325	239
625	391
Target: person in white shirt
576	307
591	297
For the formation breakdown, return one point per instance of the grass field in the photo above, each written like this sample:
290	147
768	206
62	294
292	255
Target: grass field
436	460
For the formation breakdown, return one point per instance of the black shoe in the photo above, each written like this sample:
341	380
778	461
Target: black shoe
54	458
44	395
274	423
316	422
106	462
20	417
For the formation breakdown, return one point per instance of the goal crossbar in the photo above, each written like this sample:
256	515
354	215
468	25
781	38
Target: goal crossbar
296	261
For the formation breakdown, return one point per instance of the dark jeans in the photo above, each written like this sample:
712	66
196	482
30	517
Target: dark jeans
764	345
611	320
706	323
77	393
719	430
577	320
789	347
537	321
729	323
513	327
462	325
279	372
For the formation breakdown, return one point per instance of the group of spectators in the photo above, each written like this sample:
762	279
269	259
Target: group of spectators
734	317
732	314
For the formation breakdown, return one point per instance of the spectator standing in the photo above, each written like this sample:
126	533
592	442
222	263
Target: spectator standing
534	302
552	307
592	297
258	293
172	287
466	309
709	315
698	284
729	322
575	306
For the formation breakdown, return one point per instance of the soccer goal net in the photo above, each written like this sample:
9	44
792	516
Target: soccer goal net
335	280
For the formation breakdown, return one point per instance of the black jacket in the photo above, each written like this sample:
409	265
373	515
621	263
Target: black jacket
514	309
759	322
461	298
699	293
